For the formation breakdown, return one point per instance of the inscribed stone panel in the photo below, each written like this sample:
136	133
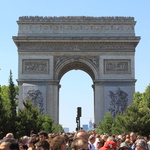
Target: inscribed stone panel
117	66
35	66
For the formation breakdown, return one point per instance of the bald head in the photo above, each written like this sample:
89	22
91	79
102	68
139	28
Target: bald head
9	135
79	143
82	134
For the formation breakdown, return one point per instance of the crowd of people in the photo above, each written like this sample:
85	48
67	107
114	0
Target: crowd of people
80	140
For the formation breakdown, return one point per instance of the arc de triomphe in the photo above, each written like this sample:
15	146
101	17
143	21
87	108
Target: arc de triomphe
103	47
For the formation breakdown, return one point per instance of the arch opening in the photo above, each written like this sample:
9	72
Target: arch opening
77	65
76	91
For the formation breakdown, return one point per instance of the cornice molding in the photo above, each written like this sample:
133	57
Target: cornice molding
44	81
74	19
114	81
77	25
75	47
76	38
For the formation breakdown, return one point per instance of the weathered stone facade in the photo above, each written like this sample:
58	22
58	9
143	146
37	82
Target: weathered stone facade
104	47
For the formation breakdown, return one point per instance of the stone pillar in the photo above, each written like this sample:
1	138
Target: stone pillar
98	102
52	102
20	98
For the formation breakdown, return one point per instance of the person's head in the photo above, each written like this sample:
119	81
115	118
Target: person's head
23	147
109	145
127	136
104	137
9	135
141	144
32	141
42	145
111	138
128	141
79	144
32	133
92	139
82	134
24	139
58	142
100	143
43	135
124	146
9	144
132	136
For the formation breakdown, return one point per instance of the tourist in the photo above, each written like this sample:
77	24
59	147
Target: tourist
124	146
32	142
141	145
32	134
42	145
79	144
43	135
9	135
109	145
104	137
23	147
82	134
9	144
100	143
133	140
91	141
24	140
58	143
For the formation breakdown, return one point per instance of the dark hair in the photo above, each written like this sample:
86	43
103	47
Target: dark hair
44	144
23	146
101	141
43	133
57	142
13	144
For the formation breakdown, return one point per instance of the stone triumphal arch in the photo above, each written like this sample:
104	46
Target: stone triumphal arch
103	47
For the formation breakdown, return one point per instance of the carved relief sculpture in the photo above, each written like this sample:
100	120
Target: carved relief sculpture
115	66
37	99
118	101
33	66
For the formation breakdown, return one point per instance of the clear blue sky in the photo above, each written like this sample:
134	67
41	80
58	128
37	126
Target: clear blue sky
75	91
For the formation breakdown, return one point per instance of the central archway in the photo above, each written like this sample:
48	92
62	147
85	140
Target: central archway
63	65
76	91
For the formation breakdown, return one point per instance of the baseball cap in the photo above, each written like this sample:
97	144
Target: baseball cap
124	144
108	145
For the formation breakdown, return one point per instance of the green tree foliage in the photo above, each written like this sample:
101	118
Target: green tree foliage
56	128
30	118
8	104
118	126
106	125
27	119
3	117
5	97
12	93
46	123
